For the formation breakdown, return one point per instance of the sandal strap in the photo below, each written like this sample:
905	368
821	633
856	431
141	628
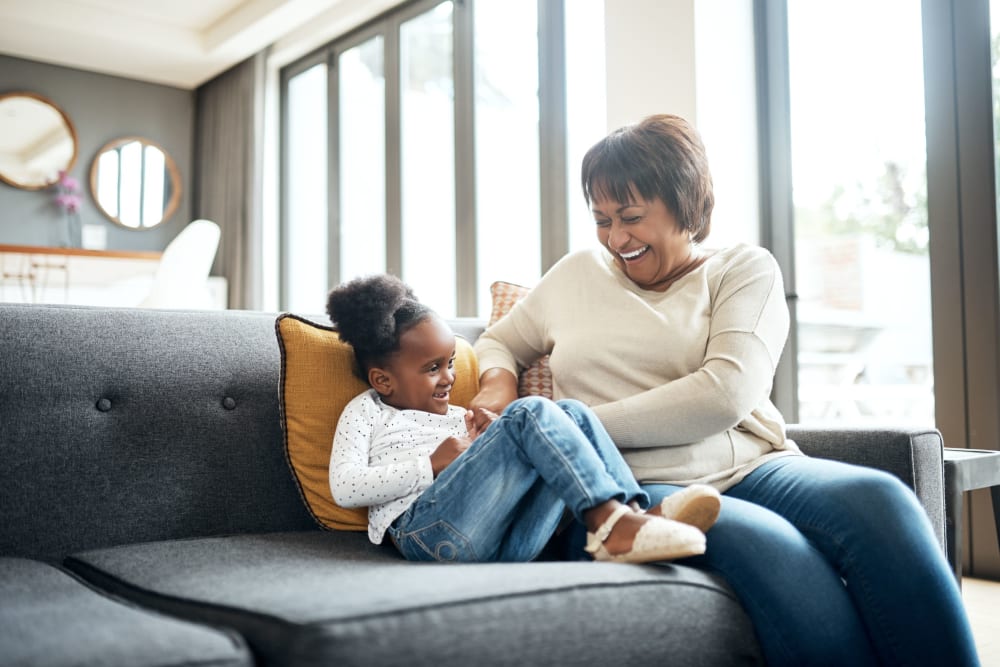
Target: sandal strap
598	537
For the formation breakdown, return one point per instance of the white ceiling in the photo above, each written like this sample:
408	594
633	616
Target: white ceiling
180	43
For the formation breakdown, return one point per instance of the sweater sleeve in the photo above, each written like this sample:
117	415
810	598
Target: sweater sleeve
354	482
749	323
517	339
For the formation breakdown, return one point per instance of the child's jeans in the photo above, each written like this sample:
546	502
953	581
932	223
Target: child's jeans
504	497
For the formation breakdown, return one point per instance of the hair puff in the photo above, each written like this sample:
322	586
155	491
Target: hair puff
371	313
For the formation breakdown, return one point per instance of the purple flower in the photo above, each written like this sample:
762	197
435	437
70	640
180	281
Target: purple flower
70	202
67	193
68	183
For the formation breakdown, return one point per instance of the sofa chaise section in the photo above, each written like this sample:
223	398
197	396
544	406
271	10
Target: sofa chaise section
48	618
328	598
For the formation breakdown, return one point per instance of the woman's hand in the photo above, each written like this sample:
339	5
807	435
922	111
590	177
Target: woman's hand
497	389
447	452
477	421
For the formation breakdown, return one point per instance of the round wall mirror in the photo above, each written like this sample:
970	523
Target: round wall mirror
37	141
135	182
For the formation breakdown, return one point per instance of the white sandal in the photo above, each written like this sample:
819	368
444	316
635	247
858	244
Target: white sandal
657	539
697	505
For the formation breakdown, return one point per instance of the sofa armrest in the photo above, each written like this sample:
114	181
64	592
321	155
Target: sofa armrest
914	455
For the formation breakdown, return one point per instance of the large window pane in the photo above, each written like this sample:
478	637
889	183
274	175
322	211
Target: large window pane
306	192
859	186
362	159
586	104
427	126
507	197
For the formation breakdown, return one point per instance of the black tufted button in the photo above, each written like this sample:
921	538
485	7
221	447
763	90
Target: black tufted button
104	405
228	403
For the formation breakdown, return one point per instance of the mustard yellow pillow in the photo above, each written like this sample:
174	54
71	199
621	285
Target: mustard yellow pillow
317	381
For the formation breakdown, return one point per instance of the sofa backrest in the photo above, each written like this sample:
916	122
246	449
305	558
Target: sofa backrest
125	425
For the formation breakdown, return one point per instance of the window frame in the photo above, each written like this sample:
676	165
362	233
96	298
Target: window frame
554	230
962	219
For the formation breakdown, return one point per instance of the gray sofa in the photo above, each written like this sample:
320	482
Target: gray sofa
150	518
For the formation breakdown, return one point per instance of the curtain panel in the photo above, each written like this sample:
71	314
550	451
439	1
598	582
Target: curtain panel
228	166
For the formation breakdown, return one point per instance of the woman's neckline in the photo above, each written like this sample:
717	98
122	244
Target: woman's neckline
670	281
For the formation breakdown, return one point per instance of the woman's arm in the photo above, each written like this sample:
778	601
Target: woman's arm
749	324
511	344
497	389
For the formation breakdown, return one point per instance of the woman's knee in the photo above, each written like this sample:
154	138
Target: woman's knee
869	490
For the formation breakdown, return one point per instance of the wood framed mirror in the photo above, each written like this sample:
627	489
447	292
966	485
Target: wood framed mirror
37	141
135	182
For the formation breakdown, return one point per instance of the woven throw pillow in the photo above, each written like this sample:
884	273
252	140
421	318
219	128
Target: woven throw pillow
536	379
317	381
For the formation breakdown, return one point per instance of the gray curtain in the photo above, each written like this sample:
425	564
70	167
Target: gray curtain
228	151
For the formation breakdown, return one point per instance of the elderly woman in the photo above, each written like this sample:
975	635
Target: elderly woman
675	347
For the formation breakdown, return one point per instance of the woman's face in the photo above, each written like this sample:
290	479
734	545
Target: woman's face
644	238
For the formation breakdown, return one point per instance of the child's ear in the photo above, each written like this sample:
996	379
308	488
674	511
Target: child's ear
380	381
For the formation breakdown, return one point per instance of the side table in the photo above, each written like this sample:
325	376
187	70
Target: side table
966	470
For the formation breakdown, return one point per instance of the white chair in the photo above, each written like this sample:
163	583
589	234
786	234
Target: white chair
181	280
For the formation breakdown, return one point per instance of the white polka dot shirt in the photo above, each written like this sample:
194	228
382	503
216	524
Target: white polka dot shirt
381	456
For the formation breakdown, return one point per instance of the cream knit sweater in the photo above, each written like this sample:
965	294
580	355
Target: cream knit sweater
679	378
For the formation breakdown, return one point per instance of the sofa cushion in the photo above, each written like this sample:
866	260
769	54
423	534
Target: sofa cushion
48	617
126	425
317	380
315	598
536	379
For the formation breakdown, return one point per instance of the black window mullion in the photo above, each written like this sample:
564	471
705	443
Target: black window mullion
333	169
777	232
466	265
393	158
552	167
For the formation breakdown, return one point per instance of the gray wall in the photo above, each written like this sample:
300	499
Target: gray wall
102	108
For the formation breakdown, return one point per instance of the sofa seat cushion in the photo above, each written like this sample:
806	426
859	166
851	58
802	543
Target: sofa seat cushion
315	598
48	617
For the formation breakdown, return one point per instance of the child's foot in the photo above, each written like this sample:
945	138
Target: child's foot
632	537
697	505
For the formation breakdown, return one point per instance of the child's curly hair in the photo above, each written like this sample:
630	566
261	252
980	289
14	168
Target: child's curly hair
371	313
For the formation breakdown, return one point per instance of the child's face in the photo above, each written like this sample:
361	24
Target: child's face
421	374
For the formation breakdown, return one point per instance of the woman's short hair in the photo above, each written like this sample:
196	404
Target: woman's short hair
662	157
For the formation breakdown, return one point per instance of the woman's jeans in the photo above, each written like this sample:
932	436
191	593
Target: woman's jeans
504	497
836	565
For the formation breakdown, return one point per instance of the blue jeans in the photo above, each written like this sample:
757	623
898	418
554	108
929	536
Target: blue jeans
504	497
836	565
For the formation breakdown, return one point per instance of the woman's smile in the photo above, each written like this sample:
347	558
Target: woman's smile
634	255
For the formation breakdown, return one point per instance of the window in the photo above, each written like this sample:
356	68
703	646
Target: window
506	112
427	155
860	208
305	241
438	150
361	156
586	117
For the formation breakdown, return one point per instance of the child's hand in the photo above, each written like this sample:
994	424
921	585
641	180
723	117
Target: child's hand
447	452
478	420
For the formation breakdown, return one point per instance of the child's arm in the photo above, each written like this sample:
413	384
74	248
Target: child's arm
448	451
353	481
451	447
